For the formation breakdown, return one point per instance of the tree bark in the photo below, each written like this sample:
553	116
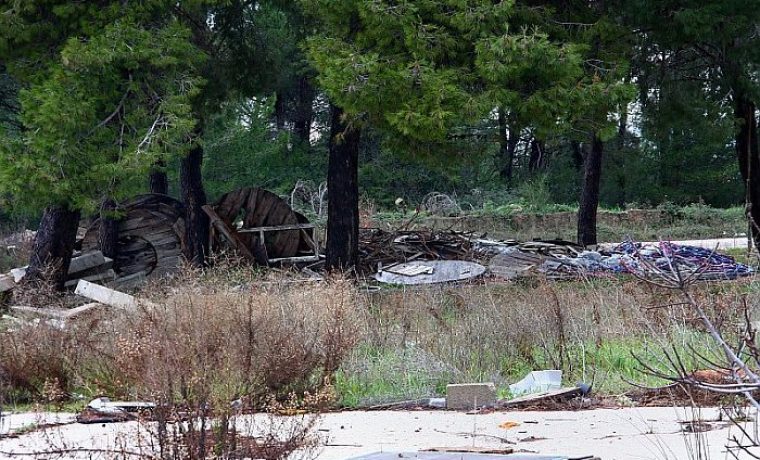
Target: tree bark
537	155
194	197
508	139
304	115
589	202
53	245
159	183
577	153
279	110
108	231
343	194
749	160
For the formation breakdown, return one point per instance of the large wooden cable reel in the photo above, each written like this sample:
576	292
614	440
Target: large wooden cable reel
150	236
253	207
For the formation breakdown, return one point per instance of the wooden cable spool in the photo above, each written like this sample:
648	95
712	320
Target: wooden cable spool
250	207
150	235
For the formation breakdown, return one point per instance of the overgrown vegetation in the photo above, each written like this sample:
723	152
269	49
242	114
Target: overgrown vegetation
236	334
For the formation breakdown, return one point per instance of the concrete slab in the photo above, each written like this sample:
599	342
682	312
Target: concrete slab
610	434
454	456
468	396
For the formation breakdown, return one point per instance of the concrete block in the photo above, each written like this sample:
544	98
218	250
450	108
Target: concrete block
467	396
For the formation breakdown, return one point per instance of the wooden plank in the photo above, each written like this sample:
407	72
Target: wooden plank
295	259
105	295
107	275
256	216
109	263
276	228
227	232
57	313
130	281
85	262
230	205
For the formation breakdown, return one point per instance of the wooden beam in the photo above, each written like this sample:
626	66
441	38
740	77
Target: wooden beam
105	295
276	228
107	275
85	262
56	313
296	259
228	233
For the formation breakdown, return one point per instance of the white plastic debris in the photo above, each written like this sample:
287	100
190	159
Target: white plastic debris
537	382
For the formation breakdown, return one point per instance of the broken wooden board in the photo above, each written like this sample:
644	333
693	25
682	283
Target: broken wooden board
443	271
230	235
86	262
410	269
56	313
107	275
105	295
261	210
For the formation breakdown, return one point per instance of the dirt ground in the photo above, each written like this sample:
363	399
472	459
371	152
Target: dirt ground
628	433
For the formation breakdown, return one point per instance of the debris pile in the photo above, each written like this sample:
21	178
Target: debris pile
91	266
567	261
382	248
704	263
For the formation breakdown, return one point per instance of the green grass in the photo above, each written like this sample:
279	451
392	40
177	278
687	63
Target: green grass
386	377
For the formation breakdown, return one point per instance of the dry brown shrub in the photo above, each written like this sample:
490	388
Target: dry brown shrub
42	361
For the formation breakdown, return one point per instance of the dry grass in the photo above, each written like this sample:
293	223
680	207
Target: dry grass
233	332
199	345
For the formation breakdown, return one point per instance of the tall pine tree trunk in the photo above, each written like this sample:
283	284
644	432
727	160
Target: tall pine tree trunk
537	156
108	231
53	245
279	110
304	111
508	138
343	194
749	160
158	181
589	202
194	197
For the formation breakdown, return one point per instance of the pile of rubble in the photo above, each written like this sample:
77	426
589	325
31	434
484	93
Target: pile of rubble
428	256
91	266
568	261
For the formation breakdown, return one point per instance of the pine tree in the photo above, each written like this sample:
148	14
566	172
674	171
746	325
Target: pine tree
423	69
714	43
107	90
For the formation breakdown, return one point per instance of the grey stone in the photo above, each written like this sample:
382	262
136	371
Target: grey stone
466	396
